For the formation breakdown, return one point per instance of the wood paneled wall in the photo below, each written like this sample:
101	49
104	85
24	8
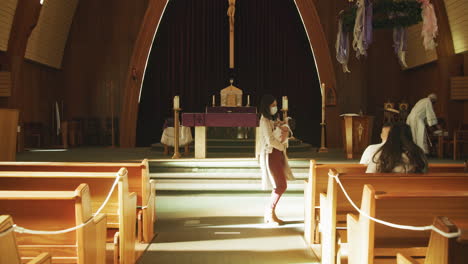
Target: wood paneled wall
457	11
7	12
416	54
49	37
378	77
98	53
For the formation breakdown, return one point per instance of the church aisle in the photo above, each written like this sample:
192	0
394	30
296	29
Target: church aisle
226	228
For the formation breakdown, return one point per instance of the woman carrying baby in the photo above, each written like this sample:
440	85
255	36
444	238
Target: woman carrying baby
273	159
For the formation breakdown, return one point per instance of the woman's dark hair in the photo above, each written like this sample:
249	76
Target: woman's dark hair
400	141
264	108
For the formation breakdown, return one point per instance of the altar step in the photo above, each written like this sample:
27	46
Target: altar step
240	145
218	175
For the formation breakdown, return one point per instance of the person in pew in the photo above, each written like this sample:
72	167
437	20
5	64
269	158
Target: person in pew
399	153
422	113
372	149
272	156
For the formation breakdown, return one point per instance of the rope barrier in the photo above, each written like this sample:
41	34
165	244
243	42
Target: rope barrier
21	230
407	227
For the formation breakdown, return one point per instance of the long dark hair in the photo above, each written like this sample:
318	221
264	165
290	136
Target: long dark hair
400	141
264	108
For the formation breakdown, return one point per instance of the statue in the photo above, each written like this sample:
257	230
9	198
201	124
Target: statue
231	11
231	96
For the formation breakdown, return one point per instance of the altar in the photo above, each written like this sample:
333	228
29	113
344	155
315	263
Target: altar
219	117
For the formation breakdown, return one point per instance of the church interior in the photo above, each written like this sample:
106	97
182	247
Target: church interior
167	131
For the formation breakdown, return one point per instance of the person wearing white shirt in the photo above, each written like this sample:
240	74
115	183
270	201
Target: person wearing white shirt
372	149
272	156
422	113
399	153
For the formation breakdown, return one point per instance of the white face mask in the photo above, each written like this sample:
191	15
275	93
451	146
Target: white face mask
273	110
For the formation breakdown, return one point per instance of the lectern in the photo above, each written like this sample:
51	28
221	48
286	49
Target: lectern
357	132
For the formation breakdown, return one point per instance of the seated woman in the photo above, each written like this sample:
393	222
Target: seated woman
399	153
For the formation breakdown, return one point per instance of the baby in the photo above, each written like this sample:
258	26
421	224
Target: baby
281	131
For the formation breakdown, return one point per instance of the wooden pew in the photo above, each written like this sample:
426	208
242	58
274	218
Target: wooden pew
318	181
375	243
57	210
138	182
9	252
442	250
120	209
335	206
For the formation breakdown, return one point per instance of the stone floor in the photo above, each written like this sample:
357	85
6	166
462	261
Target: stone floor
226	228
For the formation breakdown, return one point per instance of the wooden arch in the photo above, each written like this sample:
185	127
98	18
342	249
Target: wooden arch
144	42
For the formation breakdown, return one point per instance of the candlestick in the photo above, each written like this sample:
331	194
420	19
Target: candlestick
176	130
323	147
285	103
213	100
248	100
176	102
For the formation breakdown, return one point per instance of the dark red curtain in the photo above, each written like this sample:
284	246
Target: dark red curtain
189	58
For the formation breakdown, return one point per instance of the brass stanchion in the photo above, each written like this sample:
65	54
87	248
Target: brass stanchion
176	128
323	148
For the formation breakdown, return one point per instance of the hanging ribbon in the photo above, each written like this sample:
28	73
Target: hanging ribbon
399	45
429	28
342	46
362	27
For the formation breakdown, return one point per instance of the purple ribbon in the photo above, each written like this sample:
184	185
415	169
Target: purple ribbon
367	25
399	44
342	47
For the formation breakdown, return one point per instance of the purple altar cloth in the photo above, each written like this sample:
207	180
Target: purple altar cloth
226	109
220	119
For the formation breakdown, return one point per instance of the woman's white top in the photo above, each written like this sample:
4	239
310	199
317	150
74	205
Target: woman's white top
405	167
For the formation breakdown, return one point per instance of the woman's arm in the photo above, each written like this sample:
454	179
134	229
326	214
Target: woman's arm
267	133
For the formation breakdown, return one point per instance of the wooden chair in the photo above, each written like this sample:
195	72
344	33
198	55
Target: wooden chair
334	206
138	182
442	250
375	243
57	210
9	253
317	183
459	138
120	209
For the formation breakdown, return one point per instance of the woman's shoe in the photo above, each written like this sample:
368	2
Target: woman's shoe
271	218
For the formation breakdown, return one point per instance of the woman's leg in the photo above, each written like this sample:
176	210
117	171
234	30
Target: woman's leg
276	163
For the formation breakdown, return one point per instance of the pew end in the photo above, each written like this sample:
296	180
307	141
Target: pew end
9	252
404	259
37	210
43	258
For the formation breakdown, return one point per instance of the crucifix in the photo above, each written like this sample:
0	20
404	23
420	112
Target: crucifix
231	12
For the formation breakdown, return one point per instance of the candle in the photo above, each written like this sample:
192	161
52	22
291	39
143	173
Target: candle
248	100
213	100
285	103
176	102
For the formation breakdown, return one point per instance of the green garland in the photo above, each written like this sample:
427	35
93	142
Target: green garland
387	14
